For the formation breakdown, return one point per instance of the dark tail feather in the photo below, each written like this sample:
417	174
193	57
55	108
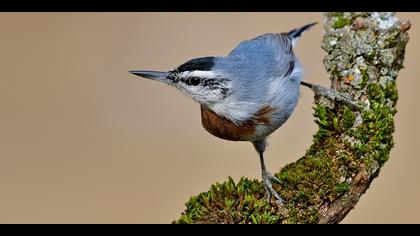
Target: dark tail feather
306	84
295	33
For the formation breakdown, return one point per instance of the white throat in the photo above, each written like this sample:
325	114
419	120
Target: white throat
236	111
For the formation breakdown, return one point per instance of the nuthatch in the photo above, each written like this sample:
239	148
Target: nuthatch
246	95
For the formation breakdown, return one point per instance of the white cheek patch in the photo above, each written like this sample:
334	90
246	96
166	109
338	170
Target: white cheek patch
197	73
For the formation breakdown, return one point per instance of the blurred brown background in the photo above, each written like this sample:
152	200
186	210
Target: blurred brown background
84	141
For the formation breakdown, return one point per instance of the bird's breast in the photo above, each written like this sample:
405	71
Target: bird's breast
248	130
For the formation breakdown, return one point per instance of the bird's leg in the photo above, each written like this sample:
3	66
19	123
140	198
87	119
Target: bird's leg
266	176
333	95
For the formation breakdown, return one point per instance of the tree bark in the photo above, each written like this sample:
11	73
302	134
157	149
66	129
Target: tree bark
365	54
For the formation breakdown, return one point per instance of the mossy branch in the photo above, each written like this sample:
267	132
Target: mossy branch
365	54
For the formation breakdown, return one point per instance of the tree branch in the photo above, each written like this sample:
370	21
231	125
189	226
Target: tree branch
365	54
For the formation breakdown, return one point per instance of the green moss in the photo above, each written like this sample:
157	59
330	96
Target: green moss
365	78
323	121
391	91
243	202
370	56
337	14
342	188
340	22
392	38
348	118
375	91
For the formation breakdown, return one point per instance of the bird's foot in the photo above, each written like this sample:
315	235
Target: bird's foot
334	95
267	178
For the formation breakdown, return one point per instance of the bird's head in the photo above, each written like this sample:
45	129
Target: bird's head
197	78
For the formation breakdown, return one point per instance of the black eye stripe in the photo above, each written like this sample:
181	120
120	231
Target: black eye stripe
173	76
210	82
215	83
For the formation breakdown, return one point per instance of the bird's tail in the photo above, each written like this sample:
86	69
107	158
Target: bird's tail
309	85
296	33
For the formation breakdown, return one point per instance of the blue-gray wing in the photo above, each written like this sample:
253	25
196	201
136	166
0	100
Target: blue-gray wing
267	48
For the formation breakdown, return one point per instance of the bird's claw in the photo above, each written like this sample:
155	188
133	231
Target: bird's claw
273	178
267	178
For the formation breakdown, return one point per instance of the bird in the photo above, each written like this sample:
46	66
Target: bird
246	95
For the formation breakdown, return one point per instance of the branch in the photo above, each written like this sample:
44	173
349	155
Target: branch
365	54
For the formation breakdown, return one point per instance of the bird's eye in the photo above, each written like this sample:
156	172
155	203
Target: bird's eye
194	81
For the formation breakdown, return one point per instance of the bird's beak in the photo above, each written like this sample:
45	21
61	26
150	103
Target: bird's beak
153	75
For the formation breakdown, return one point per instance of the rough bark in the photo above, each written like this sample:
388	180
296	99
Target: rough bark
365	54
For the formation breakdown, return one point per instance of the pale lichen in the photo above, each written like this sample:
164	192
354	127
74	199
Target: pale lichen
384	19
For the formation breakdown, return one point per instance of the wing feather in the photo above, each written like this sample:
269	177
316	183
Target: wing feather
280	45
